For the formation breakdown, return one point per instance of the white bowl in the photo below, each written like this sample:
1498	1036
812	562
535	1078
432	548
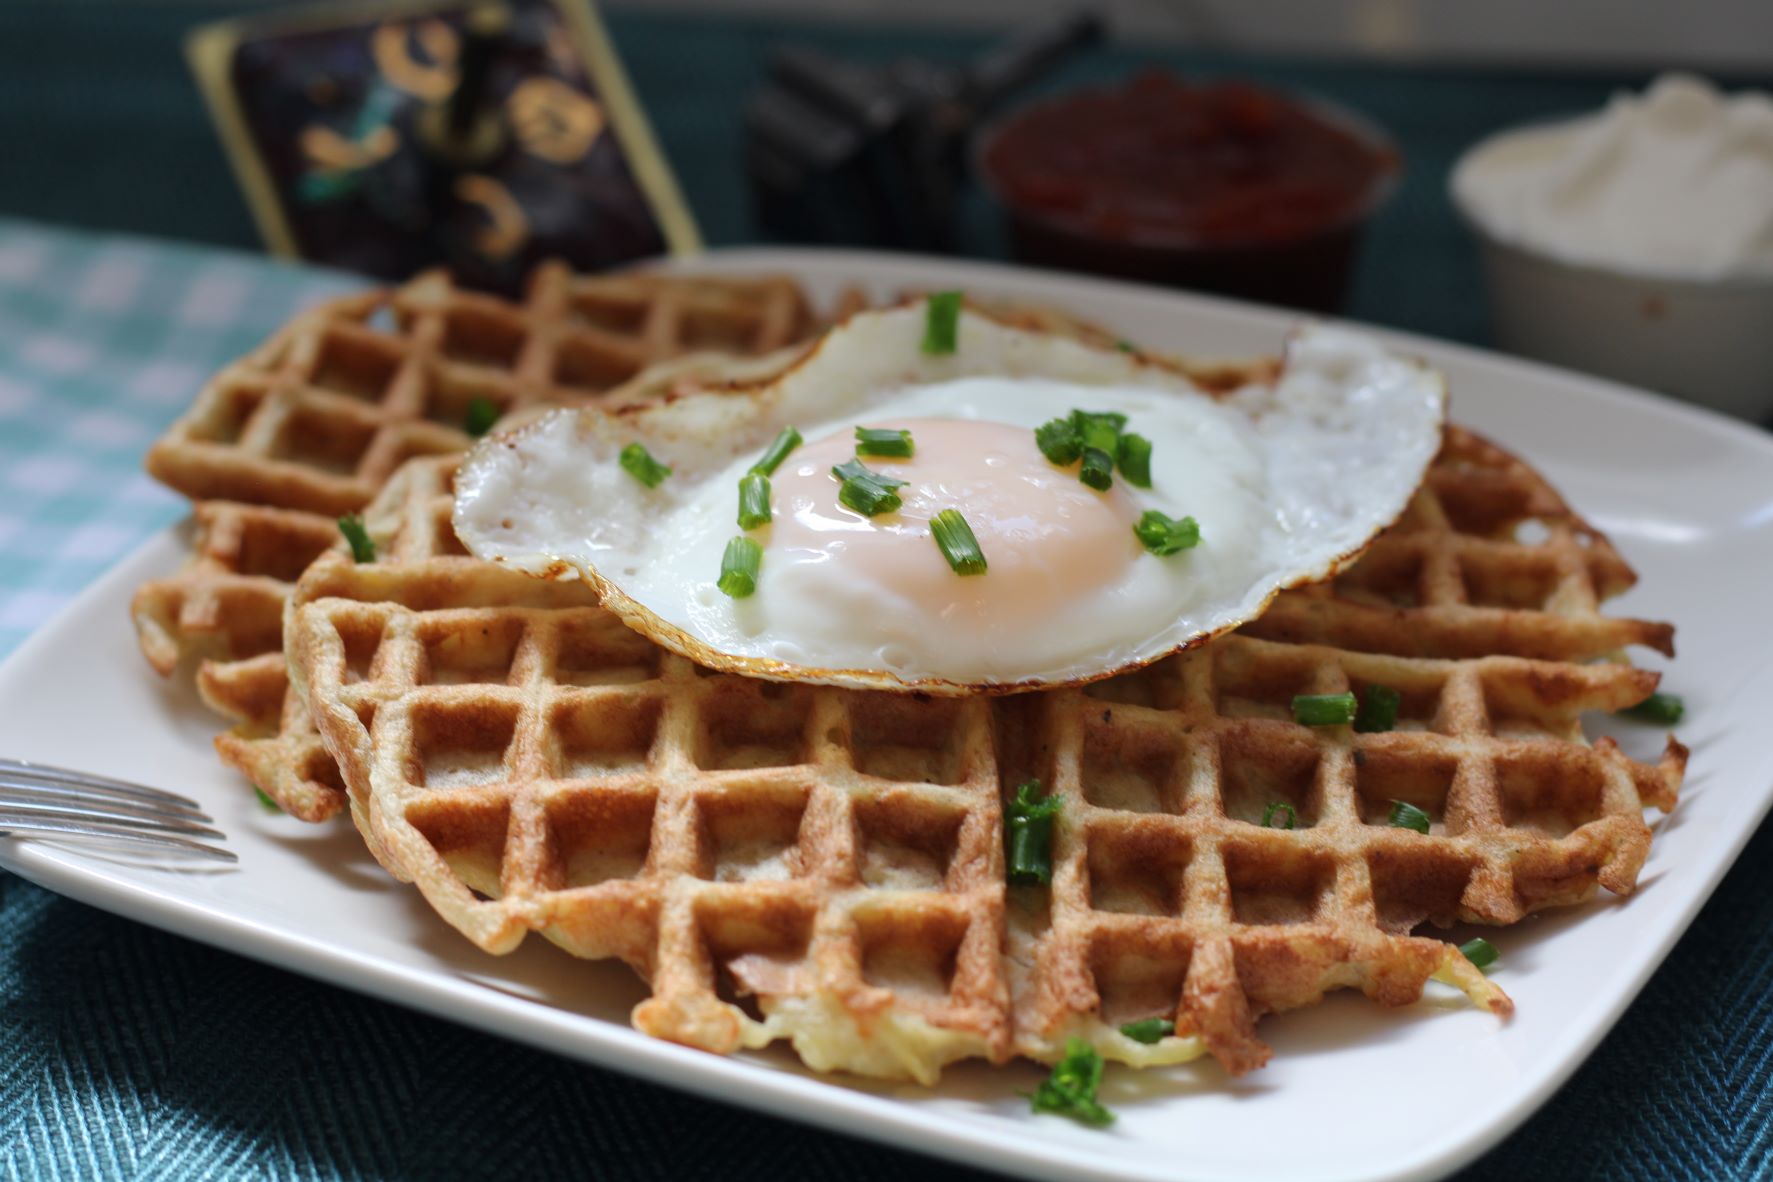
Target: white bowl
1708	341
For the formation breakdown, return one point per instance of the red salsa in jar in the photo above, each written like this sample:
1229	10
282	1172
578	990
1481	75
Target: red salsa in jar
1216	186
1160	159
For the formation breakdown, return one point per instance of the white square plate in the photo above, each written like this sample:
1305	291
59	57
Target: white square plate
1686	495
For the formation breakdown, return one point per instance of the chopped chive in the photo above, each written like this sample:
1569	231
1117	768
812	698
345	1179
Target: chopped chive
856	470
1059	441
1126	346
362	548
868	492
882	441
738	567
1164	535
754	500
1405	815
639	463
868	498
1378	712
1663	709
785	441
1071	1089
1134	458
941	326
1480	952
1098	469
1028	835
265	801
955	539
1100	429
1274	809
1323	709
1149	1030
483	412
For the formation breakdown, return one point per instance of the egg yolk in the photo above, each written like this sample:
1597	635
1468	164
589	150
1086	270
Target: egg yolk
1048	540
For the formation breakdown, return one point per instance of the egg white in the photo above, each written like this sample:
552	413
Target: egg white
1288	481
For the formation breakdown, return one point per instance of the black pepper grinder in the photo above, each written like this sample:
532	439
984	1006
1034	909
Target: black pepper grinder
842	153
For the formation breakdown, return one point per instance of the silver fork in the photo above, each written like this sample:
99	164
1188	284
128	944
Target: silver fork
59	802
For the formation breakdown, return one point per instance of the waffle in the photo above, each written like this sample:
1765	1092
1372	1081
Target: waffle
363	364
1488	560
693	825
320	416
224	612
825	866
227	602
1167	884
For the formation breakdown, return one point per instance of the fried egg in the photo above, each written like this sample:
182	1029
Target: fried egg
1287	480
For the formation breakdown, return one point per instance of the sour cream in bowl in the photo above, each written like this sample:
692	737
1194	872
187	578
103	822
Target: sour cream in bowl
1636	242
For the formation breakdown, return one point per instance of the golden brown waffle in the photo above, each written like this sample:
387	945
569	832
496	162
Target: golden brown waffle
227	602
225	610
1487	559
833	859
323	414
320	414
627	803
1168	885
273	742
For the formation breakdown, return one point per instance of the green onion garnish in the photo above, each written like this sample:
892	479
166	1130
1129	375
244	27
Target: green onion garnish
1098	469
738	567
362	549
1134	458
639	463
1099	429
1274	809
1028	835
1378	712
1098	432
1405	815
1059	441
1071	1089
786	441
265	801
1149	1030
868	498
868	492
1664	709
1164	535
857	470
1126	346
483	412
941	326
1480	952
882	441
1323	709
958	545
754	500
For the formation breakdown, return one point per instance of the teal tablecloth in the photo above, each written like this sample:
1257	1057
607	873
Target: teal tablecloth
128	1053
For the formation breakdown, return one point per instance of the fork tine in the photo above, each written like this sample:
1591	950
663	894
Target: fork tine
26	788
11	804
46	773
77	828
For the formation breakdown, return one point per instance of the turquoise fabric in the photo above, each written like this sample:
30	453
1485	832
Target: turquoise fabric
103	341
